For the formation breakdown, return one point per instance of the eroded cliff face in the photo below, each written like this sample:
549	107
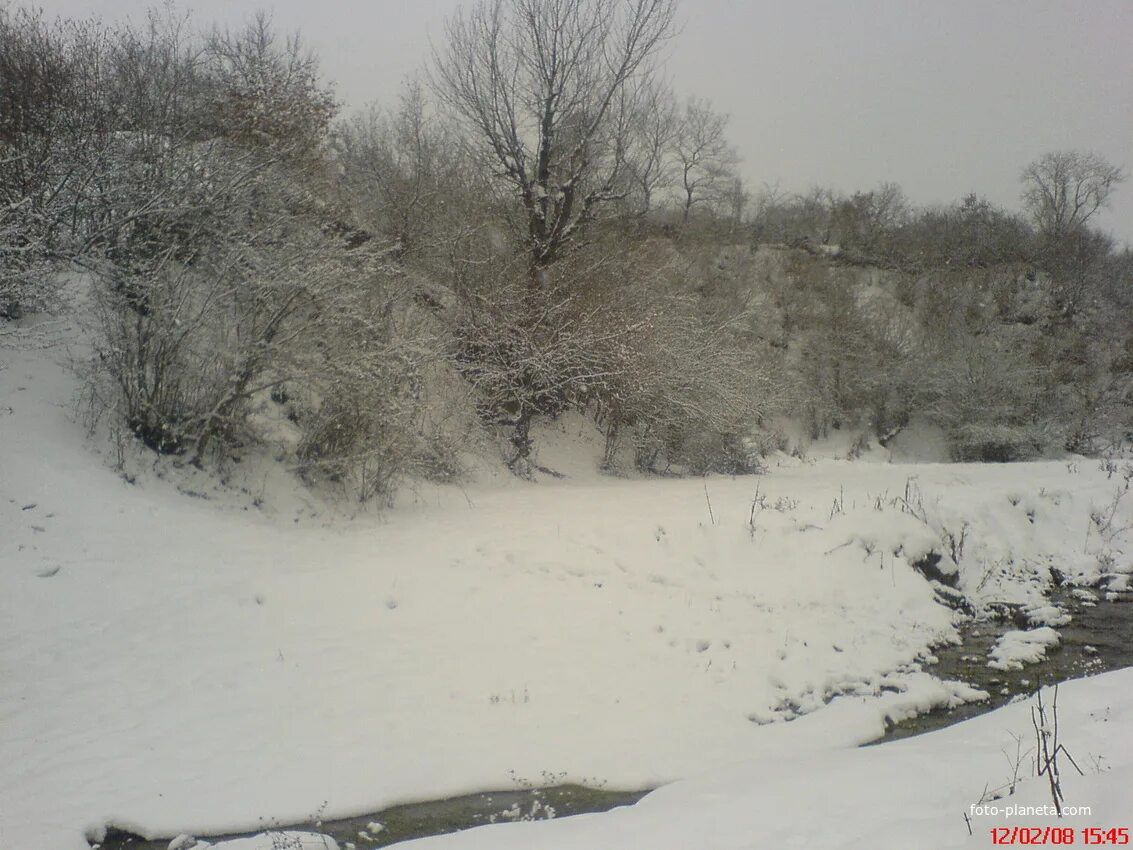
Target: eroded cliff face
982	352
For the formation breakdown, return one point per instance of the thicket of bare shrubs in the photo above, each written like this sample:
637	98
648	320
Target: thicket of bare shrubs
611	336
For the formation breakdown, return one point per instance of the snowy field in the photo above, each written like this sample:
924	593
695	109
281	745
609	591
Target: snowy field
175	664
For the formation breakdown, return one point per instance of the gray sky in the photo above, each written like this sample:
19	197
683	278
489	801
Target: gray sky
941	96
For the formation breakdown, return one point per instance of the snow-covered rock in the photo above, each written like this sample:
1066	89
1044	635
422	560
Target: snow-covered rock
1018	648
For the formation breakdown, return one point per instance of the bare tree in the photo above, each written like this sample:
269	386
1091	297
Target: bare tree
704	159
541	85
267	93
655	125
735	199
403	175
546	91
868	218
814	214
1063	190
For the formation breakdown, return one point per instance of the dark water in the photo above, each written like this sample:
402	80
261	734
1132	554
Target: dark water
435	817
1099	638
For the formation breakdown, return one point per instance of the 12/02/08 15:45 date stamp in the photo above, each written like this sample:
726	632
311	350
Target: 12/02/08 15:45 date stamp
1037	836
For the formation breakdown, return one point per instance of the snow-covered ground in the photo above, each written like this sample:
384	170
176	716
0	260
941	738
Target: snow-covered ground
174	664
911	793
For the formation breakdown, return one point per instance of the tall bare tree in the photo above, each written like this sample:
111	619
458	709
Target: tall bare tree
704	159
541	85
547	93
1063	190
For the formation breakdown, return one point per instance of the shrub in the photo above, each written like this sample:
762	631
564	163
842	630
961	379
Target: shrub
995	443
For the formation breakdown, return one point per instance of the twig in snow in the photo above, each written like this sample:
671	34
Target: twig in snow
839	505
709	501
1046	736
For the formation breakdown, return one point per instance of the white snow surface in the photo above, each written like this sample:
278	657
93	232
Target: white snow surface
1016	648
1048	615
171	664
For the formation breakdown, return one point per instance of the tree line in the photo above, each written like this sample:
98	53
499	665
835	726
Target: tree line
531	229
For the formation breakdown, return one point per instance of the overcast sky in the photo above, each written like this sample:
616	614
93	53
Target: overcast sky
943	97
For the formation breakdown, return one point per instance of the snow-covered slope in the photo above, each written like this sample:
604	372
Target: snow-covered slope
171	663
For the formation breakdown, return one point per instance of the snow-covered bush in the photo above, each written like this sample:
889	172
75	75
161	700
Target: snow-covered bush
685	393
223	271
52	125
264	92
520	368
383	405
251	290
360	433
201	295
679	385
985	392
406	179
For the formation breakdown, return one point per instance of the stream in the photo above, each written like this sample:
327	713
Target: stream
433	817
1099	638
